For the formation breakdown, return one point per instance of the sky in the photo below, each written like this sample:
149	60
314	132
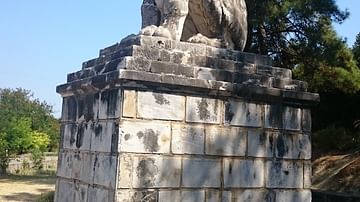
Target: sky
42	41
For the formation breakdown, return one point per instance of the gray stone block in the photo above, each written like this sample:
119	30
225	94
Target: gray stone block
104	137
212	196
243	173
226	196
284	174
69	136
203	110
252	195
292	118
307	174
306	120
293	196
65	162
156	172
187	139
167	196
193	196
87	163
241	113
145	136
162	106
260	144
109	104
96	194
81	192
292	146
105	170
201	173
225	141
69	109
65	190
273	116
129	104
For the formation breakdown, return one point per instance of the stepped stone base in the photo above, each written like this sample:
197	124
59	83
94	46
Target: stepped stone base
157	120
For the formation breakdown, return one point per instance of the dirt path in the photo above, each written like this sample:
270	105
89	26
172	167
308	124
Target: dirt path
25	188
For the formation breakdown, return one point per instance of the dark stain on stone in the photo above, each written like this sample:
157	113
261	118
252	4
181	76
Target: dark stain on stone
127	136
98	129
145	196
115	137
95	163
270	196
286	172
150	140
80	108
140	134
230	168
229	114
271	141
281	146
89	107
110	98
71	108
80	135
202	109
73	133
160	99
146	171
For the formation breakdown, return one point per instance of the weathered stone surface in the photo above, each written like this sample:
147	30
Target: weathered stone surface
105	170
241	113
306	120
99	194
243	173
166	196
69	109
109	104
125	171
212	196
156	172
226	196
69	136
87	163
65	190
153	105
260	144
104	138
284	174
293	196
293	146
187	139
201	173
81	192
225	141
193	196
145	136
203	110
307	174
273	116
65	165
129	104
125	195
252	195
292	118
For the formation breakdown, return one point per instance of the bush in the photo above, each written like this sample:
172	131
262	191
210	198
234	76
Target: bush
47	197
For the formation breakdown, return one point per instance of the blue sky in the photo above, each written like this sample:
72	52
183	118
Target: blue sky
41	41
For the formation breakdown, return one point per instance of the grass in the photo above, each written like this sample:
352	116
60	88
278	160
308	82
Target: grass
26	187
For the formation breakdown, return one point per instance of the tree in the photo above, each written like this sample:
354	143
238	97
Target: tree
299	35
26	125
356	49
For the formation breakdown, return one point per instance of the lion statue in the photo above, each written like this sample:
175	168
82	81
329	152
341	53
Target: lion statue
219	23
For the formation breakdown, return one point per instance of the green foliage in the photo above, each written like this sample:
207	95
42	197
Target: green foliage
47	197
26	125
356	49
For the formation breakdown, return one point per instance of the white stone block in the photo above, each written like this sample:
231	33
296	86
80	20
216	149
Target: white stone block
241	113
307	174
129	104
145	136
284	174
162	106
187	139
105	170
225	141
291	118
203	110
125	171
169	196
293	146
201	173
193	196
243	173
293	196
260	144
156	172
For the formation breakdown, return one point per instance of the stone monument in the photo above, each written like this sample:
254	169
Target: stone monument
155	118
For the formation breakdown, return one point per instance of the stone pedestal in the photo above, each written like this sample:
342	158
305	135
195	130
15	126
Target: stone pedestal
157	120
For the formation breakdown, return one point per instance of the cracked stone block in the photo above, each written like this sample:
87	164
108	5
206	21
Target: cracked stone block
145	136
201	173
109	104
240	113
260	144
225	141
291	118
293	146
105	170
284	174
203	110
293	196
243	173
187	139
129	104
156	172
162	106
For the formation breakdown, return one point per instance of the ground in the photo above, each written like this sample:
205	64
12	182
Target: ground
340	173
25	188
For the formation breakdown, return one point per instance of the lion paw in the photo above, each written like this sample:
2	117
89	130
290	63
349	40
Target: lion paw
199	38
156	31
